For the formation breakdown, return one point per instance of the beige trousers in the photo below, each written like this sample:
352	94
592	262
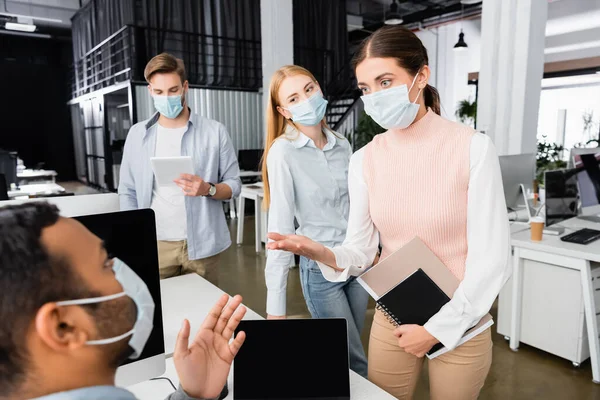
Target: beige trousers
173	261
456	375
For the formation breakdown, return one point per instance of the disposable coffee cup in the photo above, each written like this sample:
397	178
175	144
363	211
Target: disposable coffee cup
537	228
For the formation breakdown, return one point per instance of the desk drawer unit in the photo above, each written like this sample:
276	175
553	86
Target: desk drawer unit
552	317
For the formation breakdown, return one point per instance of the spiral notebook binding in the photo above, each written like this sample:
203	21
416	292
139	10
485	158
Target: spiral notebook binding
387	314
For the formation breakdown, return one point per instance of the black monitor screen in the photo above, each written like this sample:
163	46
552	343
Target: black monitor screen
286	359
588	178
131	237
561	195
250	159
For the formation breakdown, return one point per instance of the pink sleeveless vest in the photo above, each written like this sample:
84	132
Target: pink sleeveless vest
418	180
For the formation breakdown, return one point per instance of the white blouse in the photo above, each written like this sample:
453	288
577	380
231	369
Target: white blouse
488	237
309	185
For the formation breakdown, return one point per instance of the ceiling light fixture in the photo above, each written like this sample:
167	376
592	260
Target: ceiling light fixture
469	2
461	45
17	26
393	17
32	17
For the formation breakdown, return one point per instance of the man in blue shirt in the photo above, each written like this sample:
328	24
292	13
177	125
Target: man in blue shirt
49	346
191	226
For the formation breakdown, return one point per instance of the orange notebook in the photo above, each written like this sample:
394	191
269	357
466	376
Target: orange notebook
394	269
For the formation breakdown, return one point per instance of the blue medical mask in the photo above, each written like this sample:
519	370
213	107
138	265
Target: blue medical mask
310	112
391	108
169	106
134	287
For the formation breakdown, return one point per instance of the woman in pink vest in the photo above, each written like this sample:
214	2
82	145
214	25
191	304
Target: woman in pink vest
426	177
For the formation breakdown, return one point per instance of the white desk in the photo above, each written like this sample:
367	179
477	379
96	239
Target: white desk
254	192
552	252
249	174
47	176
188	297
360	388
36	190
191	296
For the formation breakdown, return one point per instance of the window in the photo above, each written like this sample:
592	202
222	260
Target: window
570	111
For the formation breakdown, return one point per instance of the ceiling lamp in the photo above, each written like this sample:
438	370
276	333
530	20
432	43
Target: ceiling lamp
461	45
20	24
469	2
393	17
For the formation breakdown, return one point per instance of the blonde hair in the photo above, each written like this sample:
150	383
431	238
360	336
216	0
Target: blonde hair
277	123
165	63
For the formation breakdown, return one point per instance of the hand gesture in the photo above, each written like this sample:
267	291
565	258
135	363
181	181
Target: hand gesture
300	245
203	366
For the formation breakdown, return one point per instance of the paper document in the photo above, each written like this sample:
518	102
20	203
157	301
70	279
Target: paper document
167	169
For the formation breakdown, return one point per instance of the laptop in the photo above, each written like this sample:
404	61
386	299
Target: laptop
293	359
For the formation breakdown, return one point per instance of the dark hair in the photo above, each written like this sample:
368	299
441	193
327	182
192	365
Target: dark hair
29	278
397	42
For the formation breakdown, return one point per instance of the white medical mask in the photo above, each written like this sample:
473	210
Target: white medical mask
309	112
169	106
134	287
392	108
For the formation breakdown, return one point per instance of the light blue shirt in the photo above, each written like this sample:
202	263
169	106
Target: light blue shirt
310	185
213	155
104	393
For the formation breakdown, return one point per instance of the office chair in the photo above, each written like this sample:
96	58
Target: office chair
3	188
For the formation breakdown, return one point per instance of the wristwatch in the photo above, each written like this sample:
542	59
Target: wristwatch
212	191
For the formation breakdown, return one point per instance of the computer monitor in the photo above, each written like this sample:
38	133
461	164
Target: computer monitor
249	160
576	151
516	170
561	195
131	236
588	181
8	166
74	206
278	361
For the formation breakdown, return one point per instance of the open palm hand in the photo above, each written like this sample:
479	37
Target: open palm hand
203	366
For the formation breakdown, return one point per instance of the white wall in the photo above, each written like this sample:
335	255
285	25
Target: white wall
450	69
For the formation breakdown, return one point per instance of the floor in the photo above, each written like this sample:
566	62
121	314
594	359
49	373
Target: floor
526	374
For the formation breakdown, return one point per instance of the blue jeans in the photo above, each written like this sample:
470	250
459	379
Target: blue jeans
337	300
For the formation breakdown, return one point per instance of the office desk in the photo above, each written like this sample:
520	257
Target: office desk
45	176
552	252
36	190
254	192
249	174
188	297
360	388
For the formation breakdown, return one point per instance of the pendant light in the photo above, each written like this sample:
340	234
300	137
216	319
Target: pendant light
461	45
393	17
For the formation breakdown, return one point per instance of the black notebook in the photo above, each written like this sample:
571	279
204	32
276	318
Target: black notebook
413	301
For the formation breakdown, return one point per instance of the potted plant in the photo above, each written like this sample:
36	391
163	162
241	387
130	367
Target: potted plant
466	112
549	157
365	131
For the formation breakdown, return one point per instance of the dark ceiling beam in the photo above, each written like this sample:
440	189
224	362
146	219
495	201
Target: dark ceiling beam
412	18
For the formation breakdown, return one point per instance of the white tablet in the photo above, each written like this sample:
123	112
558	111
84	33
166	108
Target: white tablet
167	169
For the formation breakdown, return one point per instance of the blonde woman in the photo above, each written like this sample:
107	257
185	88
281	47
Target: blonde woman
306	179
